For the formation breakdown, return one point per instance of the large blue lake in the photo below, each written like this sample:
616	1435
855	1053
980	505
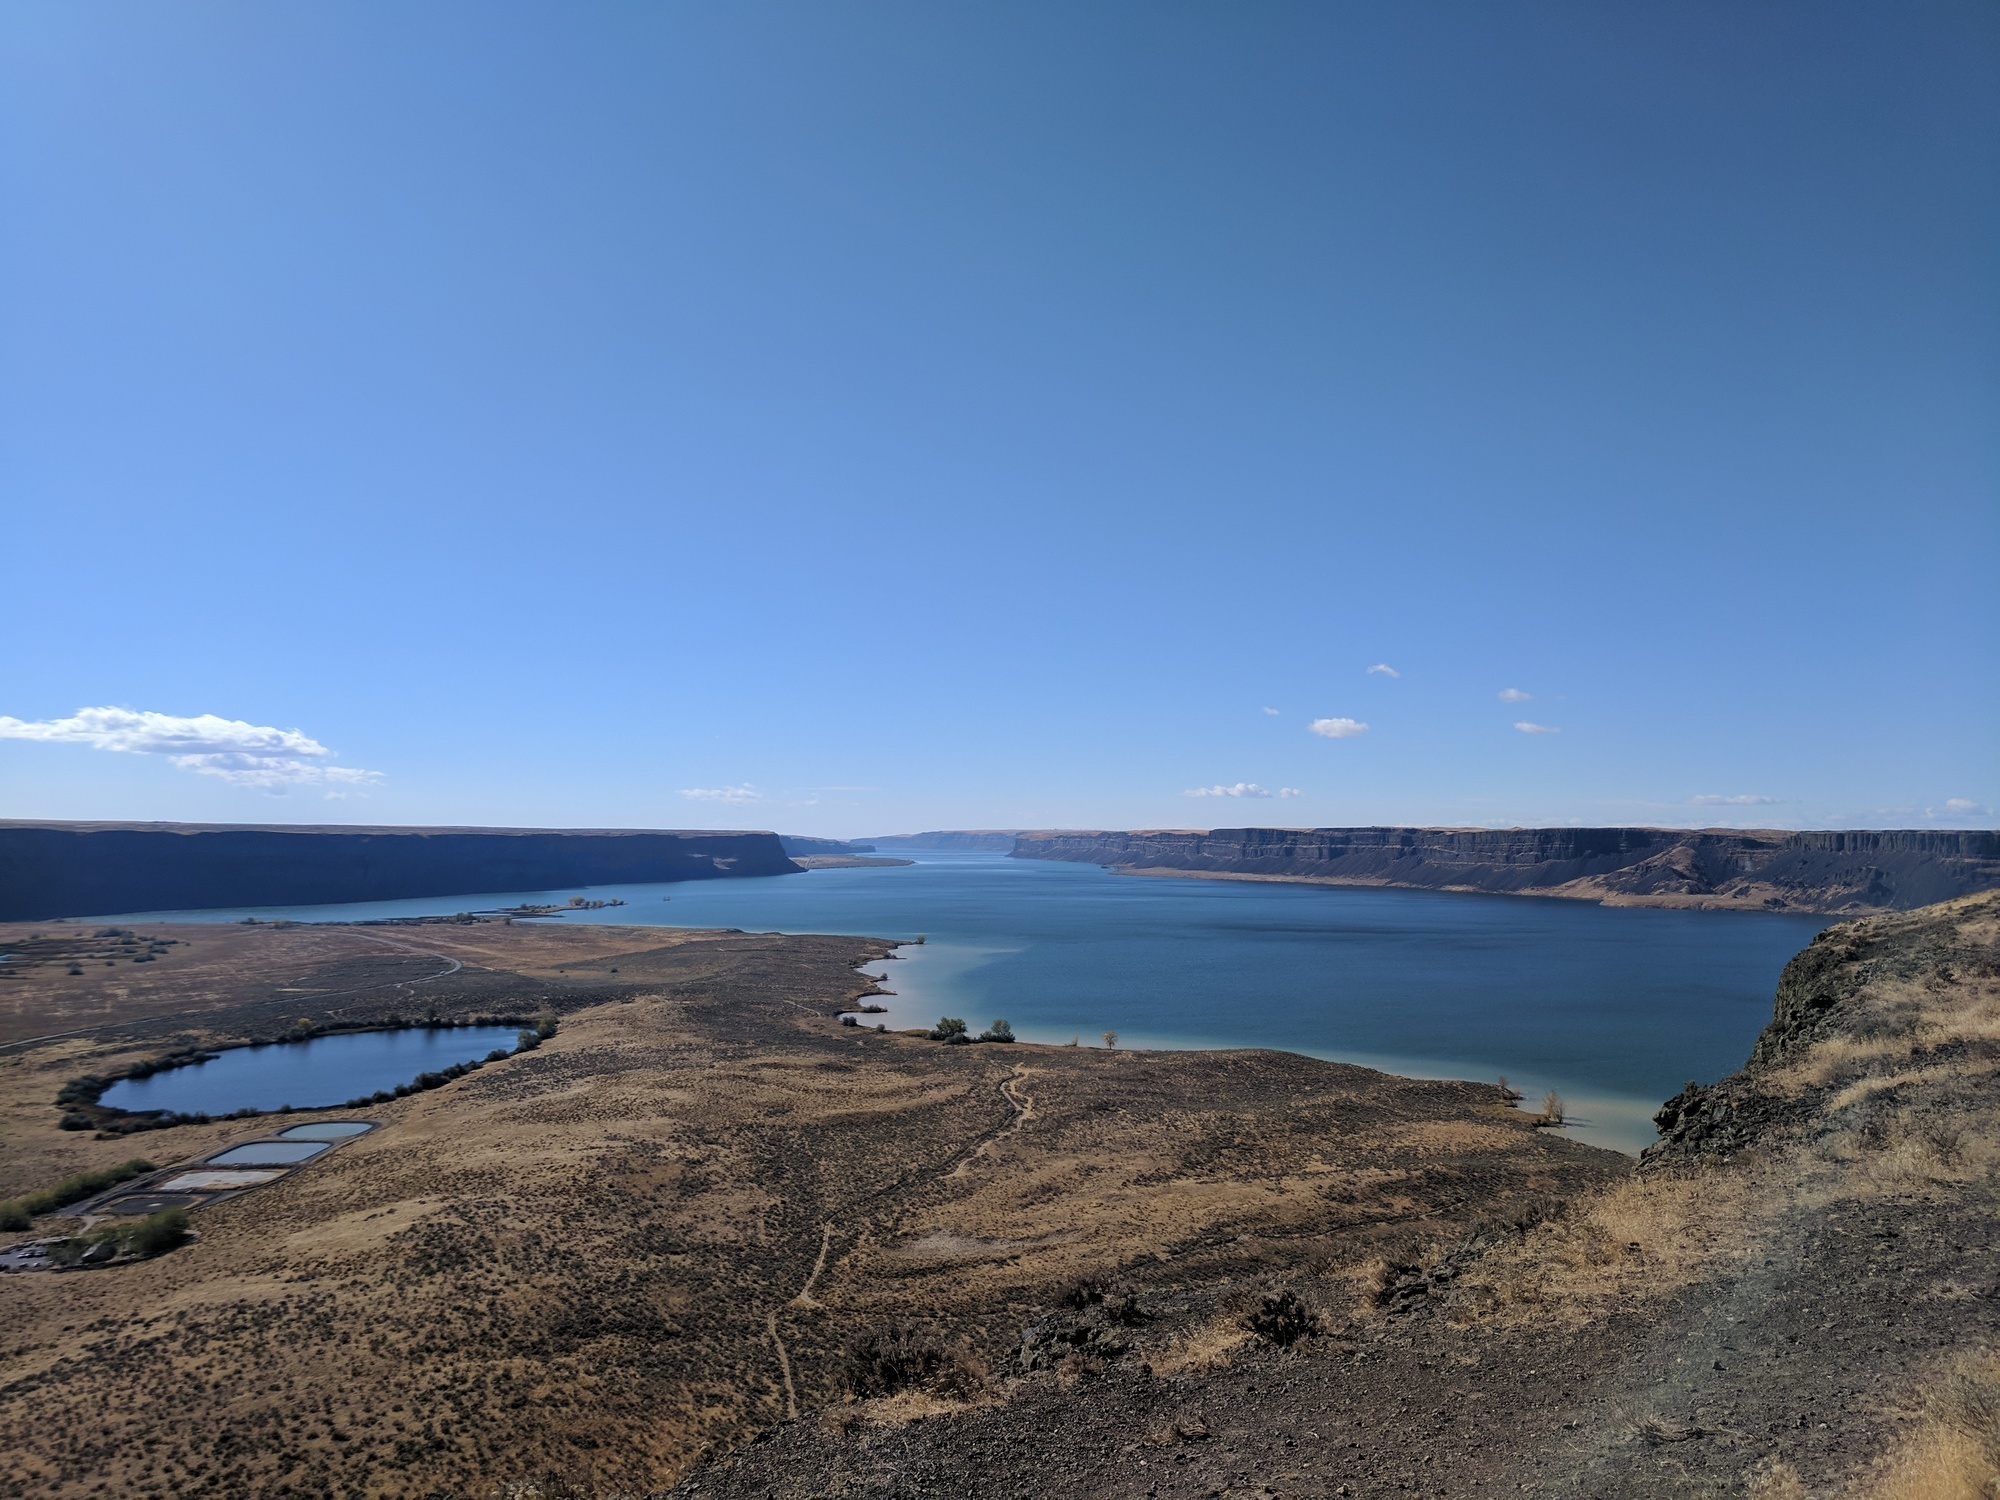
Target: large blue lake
1614	1007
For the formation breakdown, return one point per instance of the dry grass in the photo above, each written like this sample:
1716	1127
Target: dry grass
1641	1239
1211	1346
1954	1451
1774	1479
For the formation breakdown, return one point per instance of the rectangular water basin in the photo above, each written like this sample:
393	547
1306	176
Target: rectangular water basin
215	1181
267	1153
328	1130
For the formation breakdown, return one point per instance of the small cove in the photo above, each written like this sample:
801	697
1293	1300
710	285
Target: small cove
317	1074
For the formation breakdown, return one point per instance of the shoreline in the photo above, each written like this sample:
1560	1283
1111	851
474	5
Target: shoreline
1661	902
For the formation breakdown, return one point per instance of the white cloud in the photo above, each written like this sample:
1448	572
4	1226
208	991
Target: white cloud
1526	728
1338	729
1714	799
1271	711
1385	669
1514	695
244	754
1960	804
1241	789
1290	791
743	793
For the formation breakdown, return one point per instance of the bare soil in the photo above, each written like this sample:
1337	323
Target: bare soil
660	1234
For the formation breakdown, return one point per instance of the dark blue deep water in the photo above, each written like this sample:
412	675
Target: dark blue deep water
1615	1007
326	1070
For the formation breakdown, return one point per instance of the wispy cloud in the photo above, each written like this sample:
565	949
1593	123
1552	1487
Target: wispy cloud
254	755
1338	729
1958	810
743	793
1716	799
1526	728
1241	789
1514	695
1271	711
1384	669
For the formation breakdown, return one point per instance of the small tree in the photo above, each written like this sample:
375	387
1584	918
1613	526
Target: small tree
1552	1108
999	1031
1110	1039
947	1028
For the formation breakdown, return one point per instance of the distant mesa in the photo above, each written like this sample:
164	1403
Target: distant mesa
105	869
992	840
796	844
1847	872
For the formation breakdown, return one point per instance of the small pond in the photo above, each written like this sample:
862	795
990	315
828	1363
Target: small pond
326	1071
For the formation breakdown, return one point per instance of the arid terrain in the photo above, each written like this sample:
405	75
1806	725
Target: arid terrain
703	1208
707	1238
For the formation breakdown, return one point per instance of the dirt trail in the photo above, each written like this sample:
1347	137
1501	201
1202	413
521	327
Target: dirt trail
1024	1111
805	1298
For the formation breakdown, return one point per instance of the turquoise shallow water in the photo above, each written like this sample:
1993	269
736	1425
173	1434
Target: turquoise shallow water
1614	1007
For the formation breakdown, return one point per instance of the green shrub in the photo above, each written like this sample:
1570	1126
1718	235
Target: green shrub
947	1028
999	1031
17	1213
158	1233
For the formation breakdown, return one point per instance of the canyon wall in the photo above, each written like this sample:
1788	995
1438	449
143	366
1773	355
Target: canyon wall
1849	871
97	869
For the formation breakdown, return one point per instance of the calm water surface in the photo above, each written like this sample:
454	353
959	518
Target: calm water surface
307	1075
1615	1007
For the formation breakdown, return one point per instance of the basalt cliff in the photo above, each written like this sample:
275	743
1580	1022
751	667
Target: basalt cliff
1848	872
96	869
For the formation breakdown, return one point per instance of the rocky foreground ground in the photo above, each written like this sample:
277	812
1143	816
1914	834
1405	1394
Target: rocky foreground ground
710	1241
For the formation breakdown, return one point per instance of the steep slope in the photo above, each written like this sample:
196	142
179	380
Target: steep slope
1849	872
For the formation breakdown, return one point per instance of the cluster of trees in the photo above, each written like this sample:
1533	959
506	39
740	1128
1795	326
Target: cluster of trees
18	1213
153	1235
952	1031
530	1038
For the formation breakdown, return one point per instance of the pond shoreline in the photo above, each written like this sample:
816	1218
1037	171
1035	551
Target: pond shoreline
81	1096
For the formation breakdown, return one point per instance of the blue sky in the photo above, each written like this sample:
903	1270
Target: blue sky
885	416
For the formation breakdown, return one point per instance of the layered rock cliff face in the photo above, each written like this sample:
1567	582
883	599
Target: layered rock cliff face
94	869
1850	871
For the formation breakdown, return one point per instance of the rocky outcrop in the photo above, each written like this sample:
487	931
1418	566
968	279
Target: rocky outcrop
1886	983
95	869
1853	871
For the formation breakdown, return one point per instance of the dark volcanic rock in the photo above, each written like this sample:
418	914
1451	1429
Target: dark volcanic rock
1855	871
93	869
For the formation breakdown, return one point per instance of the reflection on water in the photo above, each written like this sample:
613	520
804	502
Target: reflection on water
306	1075
1614	1007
